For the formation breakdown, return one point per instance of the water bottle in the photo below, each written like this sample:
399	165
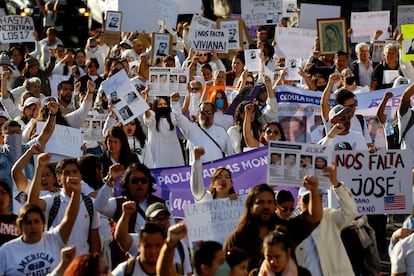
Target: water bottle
389	127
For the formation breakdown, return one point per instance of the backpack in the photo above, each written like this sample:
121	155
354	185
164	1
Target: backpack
129	270
394	141
56	205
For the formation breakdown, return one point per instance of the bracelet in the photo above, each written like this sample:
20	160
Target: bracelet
339	185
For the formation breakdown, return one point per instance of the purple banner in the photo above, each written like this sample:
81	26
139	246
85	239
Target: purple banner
248	170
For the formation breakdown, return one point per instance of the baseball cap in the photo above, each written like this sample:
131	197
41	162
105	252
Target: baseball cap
338	109
126	42
154	209
343	146
31	62
304	191
31	100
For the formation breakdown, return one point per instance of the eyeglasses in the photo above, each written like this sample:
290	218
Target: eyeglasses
249	82
142	180
343	118
195	88
204	112
275	132
285	209
201	55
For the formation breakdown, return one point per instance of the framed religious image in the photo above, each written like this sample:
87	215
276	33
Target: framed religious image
332	35
235	28
161	46
113	21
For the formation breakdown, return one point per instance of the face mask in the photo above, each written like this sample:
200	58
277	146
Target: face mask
14	141
223	270
163	111
350	80
219	103
320	87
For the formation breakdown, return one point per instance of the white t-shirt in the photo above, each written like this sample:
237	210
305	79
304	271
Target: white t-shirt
402	257
20	258
80	232
138	271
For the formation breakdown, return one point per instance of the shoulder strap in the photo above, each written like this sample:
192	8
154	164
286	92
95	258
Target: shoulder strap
211	138
409	125
361	121
130	266
180	249
89	206
53	211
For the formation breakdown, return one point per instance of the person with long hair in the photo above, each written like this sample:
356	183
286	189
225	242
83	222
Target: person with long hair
238	261
137	185
34	241
219	98
270	131
277	250
236	132
162	133
137	139
117	152
91	264
221	185
259	219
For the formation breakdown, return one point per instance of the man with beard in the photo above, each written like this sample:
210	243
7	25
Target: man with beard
259	219
205	133
65	92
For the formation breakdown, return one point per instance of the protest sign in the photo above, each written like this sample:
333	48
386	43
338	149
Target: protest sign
289	8
248	169
292	68
252	57
235	28
164	81
16	29
168	11
290	162
210	40
408	43
377	50
128	102
310	12
212	220
365	24
265	12
131	10
380	182
54	81
405	14
65	141
92	126
189	7
303	39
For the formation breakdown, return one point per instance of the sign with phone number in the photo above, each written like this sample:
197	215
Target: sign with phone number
16	29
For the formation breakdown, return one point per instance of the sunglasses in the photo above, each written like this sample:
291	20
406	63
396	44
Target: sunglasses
285	209
210	112
142	180
344	118
275	132
249	82
195	88
201	55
